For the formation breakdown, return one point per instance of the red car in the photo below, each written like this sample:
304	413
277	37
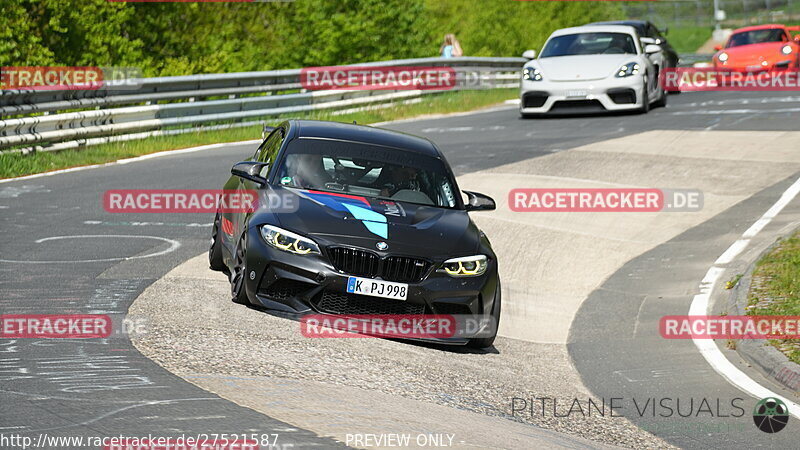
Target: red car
761	48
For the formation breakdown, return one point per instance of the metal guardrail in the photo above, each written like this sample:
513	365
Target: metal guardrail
52	120
690	59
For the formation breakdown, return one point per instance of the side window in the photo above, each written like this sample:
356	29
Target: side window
268	150
271	146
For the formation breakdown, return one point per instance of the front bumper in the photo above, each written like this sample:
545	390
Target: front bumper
302	284
790	62
569	97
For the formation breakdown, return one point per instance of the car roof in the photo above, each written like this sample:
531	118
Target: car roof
640	25
363	134
759	27
627	29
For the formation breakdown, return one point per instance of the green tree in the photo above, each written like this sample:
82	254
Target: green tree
323	32
507	28
188	38
73	32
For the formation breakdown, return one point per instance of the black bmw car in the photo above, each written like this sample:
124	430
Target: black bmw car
357	220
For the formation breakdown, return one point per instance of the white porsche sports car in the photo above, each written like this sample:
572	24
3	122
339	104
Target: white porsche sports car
589	69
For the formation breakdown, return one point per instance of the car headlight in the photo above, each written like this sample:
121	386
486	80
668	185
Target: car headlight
531	74
628	70
723	57
288	241
467	266
787	49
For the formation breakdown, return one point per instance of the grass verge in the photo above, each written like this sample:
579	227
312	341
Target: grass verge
688	39
775	289
15	165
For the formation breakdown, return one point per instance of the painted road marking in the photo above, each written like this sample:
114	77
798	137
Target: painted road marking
148	224
14	192
700	303
717	112
173	245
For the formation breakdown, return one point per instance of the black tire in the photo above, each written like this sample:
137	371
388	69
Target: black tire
486	342
645	100
238	291
215	261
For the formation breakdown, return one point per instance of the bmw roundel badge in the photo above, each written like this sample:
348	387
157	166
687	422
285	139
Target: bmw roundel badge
382	245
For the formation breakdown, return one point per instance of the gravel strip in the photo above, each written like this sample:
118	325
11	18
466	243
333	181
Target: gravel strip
194	328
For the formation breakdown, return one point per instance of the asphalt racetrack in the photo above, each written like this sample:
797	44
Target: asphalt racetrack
583	293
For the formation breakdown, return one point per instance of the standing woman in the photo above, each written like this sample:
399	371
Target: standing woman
450	47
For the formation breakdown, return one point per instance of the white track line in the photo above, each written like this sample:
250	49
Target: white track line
173	245
254	141
700	303
130	160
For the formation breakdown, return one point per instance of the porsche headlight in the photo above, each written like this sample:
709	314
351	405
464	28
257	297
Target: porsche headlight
628	70
787	49
723	57
467	266
288	241
531	74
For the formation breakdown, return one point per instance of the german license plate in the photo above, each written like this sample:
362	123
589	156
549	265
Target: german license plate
377	288
577	94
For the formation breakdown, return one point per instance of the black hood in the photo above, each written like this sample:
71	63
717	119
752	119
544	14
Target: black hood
407	228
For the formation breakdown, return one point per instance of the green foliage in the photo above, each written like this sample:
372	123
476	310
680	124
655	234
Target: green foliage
508	28
775	289
324	32
67	32
18	42
183	38
688	39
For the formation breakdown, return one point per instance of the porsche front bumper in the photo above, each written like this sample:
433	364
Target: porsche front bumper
570	97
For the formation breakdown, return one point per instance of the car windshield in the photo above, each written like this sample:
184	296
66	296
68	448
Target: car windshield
589	44
368	171
756	37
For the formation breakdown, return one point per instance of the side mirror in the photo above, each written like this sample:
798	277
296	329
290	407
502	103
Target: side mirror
479	202
265	131
797	38
647	40
652	48
250	170
530	54
717	47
